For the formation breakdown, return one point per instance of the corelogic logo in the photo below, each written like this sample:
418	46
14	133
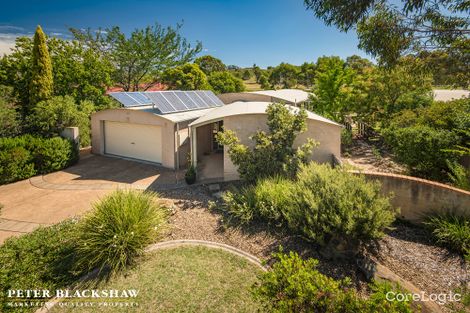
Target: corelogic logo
441	298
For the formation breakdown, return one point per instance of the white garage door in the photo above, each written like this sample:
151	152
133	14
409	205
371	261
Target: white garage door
137	141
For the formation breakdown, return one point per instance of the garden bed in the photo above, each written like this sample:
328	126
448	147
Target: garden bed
407	250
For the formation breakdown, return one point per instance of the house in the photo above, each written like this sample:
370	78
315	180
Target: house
287	96
165	127
450	94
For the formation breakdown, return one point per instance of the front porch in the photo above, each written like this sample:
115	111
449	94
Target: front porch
207	154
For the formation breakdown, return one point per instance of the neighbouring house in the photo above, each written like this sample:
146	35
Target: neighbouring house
450	94
287	96
165	127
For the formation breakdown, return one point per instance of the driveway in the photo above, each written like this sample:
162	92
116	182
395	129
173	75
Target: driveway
49	199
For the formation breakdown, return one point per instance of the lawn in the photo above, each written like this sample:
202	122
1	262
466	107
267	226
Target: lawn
186	279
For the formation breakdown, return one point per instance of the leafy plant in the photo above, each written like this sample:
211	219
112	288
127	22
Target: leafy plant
41	259
459	175
118	229
336	209
452	231
190	175
223	82
295	285
25	156
273	152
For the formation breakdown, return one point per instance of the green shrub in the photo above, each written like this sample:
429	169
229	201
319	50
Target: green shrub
15	164
190	175
422	149
25	156
49	118
451	231
346	138
118	229
224	82
273	152
338	207
328	206
459	175
39	260
295	285
267	200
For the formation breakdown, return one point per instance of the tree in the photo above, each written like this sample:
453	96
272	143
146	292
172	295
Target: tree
208	64
49	118
284	75
40	87
307	74
186	77
332	90
77	71
223	82
388	30
257	71
448	68
246	74
273	152
264	81
142	57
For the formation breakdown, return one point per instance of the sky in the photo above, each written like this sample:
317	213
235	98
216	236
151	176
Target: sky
239	32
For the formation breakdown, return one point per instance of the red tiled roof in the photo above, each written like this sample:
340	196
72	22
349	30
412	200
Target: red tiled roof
154	87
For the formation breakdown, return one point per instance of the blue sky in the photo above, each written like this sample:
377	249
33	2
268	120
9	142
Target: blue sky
240	32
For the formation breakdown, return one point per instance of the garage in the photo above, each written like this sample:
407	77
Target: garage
136	141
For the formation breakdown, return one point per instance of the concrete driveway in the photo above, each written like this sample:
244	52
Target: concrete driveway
49	199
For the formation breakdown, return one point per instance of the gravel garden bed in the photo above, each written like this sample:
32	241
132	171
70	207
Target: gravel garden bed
406	250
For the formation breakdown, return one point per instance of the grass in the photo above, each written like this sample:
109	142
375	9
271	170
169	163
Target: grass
451	231
186	279
252	85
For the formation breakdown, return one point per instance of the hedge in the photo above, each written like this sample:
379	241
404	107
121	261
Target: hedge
25	156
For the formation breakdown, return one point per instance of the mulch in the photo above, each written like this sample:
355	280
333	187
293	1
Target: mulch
407	250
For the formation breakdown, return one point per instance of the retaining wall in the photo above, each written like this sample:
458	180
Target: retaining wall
418	198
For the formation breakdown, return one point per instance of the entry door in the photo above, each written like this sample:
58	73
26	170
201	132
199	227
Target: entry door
136	141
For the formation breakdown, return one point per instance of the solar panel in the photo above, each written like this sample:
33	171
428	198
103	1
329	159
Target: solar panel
124	99
183	96
169	101
174	100
140	97
160	102
198	100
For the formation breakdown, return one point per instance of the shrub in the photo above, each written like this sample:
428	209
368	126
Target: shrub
295	285
25	156
329	206
223	82
49	118
190	175
346	138
451	231
268	199
118	229
459	175
339	207
273	152
430	159
38	260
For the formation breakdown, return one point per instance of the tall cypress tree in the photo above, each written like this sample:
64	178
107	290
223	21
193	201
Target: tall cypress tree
40	87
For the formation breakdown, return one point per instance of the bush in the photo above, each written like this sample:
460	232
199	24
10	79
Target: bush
430	159
451	231
346	138
329	206
190	175
267	200
25	156
459	176
49	118
224	82
295	285
38	260
273	152
118	229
